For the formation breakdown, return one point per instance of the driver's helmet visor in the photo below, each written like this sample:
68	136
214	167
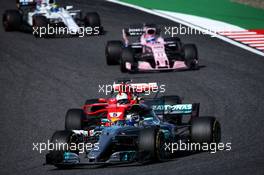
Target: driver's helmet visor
151	31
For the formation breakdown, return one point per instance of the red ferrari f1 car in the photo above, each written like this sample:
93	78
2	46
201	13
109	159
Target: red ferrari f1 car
124	96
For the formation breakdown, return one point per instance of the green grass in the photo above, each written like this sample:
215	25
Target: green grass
222	10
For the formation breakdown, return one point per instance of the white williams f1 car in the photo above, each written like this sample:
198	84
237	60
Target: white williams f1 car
44	17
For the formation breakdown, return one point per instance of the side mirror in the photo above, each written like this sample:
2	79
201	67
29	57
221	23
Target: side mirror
69	7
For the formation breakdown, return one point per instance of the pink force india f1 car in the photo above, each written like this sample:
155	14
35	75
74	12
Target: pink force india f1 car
151	52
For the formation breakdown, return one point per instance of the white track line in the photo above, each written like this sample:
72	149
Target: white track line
186	23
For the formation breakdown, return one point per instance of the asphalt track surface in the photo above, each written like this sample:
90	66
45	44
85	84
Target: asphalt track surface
41	78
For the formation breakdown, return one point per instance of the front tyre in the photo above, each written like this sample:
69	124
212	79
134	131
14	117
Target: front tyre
61	143
113	51
190	56
152	145
92	20
127	57
73	119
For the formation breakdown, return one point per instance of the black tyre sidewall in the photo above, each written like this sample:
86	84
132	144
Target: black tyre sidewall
126	57
149	142
12	20
190	55
113	51
59	140
73	119
92	20
204	130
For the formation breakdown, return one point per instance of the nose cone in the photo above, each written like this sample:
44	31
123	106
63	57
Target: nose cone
98	153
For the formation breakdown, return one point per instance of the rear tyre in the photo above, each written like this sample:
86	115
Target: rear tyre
113	51
12	20
61	143
152	144
127	57
73	119
190	56
205	130
92	20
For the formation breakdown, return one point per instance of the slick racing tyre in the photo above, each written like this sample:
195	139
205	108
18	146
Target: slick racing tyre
62	141
205	130
92	20
40	23
190	56
73	119
152	145
113	51
12	20
127	57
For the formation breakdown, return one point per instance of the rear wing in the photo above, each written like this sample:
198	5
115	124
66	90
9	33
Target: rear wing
134	30
176	109
26	3
131	32
138	29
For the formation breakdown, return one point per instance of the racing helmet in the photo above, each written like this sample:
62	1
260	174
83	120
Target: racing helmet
132	119
122	98
150	34
54	6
